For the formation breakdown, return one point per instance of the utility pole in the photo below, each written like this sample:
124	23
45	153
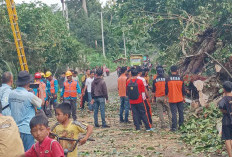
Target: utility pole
103	44
62	1
124	41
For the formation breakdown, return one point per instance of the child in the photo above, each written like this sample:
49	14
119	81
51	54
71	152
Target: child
70	129
45	145
225	106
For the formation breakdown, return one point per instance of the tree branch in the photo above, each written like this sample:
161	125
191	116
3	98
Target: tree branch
219	64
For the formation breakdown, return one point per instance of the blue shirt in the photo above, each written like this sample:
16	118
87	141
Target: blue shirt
21	108
77	88
48	86
4	97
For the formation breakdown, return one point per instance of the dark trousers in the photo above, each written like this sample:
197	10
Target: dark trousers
125	105
174	108
99	103
138	111
149	112
72	102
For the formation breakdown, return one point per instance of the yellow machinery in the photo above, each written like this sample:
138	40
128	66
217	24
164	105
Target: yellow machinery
136	59
16	33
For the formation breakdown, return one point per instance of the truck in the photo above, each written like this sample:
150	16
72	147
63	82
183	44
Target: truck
139	60
136	59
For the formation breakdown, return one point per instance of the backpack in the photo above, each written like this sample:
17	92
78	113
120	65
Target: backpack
133	90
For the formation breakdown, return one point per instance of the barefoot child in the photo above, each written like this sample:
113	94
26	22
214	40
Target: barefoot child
45	145
70	129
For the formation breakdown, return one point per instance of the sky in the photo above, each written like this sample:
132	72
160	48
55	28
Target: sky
49	2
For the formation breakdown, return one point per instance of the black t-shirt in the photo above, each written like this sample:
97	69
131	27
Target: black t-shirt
226	104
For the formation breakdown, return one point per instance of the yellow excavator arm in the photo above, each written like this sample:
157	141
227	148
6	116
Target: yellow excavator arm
17	35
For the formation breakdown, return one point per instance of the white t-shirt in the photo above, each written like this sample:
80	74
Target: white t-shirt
143	79
88	83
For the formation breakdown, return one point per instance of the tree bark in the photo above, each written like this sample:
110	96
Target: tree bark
194	63
84	6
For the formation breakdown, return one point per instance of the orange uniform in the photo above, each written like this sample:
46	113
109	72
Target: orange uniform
159	86
175	89
122	80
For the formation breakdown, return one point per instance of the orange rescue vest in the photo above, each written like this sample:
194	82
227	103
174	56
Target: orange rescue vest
70	89
52	87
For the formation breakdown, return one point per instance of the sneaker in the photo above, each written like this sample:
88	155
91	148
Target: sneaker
97	125
128	122
173	130
121	121
105	126
150	130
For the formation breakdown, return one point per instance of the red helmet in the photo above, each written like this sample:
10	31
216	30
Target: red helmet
38	75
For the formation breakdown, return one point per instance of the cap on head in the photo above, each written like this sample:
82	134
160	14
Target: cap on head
159	70
227	85
48	74
174	68
68	73
38	75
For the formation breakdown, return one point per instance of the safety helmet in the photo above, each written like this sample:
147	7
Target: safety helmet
42	74
48	73
68	73
38	75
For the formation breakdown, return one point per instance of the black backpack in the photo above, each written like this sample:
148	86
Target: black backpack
133	90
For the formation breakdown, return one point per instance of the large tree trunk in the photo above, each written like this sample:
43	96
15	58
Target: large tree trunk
194	63
84	6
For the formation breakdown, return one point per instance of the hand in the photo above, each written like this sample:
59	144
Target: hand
152	100
107	101
92	101
82	141
165	100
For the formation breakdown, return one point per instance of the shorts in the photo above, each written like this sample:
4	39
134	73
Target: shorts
226	132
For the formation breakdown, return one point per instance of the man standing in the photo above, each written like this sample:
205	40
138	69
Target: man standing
84	95
69	93
175	91
61	80
125	105
136	95
7	82
75	76
141	75
88	84
158	92
41	92
22	105
99	94
52	89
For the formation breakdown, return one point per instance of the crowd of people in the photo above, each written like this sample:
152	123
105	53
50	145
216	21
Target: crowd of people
167	92
25	110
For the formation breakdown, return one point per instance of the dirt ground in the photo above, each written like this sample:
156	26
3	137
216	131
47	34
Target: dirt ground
122	139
